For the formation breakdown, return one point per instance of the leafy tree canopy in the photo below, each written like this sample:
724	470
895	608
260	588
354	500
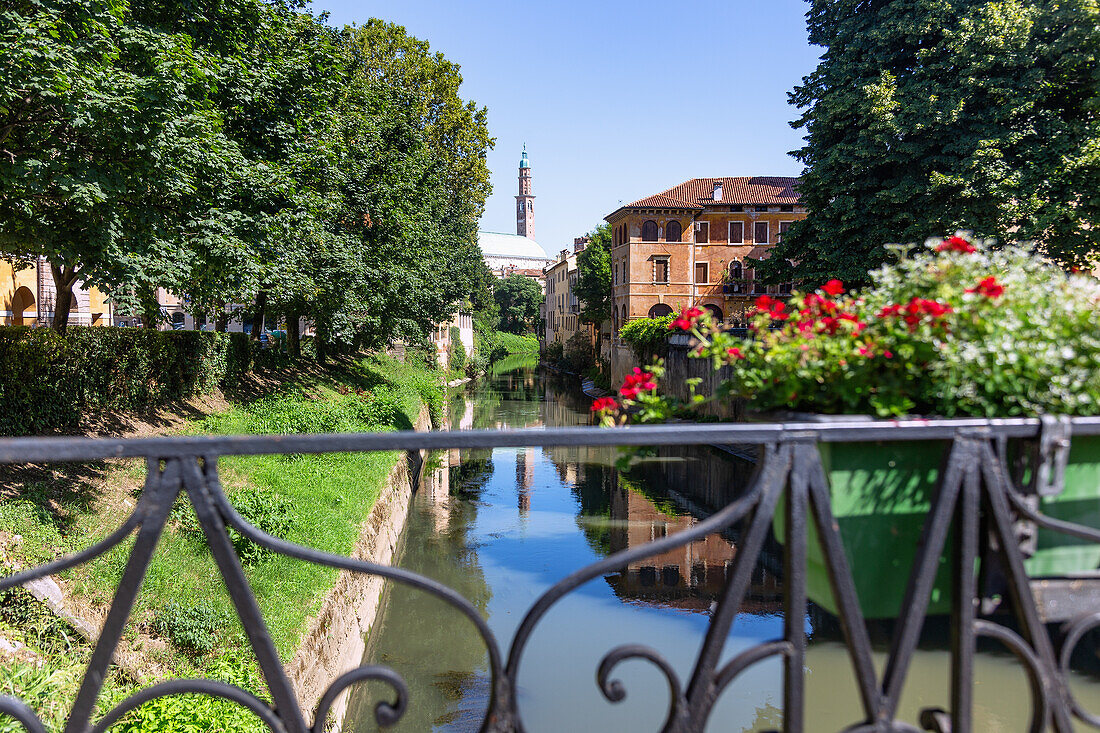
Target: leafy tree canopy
928	116
519	299
593	286
112	146
241	152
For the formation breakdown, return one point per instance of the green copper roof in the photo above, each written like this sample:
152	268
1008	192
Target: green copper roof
523	161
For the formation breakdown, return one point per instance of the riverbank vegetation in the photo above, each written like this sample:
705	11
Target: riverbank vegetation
183	623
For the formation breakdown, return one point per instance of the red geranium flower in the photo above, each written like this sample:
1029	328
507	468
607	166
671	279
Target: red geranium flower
774	308
636	383
989	287
860	325
687	319
833	288
890	310
956	244
915	310
604	403
735	352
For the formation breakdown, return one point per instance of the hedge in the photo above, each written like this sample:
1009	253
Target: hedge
648	338
48	381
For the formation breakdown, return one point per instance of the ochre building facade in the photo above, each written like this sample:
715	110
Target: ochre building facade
691	245
27	297
562	308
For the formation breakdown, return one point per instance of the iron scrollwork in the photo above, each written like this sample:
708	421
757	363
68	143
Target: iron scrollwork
975	496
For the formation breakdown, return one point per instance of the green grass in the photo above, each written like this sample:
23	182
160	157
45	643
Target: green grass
321	502
516	344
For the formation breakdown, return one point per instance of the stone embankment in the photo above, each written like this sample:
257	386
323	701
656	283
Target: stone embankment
335	640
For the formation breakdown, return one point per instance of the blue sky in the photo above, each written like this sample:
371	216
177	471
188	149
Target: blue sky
615	100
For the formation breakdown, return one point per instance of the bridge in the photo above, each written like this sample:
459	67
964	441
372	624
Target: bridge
991	511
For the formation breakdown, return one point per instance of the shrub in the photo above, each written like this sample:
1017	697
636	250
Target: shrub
554	352
579	354
457	355
477	364
192	712
48	381
194	628
648	337
264	510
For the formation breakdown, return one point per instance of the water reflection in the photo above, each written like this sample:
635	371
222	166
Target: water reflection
502	526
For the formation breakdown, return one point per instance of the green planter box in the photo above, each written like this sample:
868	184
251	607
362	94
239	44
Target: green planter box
881	495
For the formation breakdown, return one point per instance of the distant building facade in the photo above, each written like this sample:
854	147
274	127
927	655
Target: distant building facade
442	338
519	253
561	319
690	245
511	254
28	295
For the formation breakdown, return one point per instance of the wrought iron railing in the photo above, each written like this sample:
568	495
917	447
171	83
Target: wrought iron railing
976	495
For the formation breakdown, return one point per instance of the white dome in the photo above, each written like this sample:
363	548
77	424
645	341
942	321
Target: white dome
510	246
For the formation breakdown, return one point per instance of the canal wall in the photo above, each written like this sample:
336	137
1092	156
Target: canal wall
336	637
679	367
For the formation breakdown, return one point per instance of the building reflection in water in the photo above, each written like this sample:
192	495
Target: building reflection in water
525	478
465	530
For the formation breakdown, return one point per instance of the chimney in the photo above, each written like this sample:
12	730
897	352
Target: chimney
717	190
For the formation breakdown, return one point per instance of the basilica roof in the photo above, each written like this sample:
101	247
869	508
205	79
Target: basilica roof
495	244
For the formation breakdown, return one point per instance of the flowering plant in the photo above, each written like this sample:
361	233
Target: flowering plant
959	328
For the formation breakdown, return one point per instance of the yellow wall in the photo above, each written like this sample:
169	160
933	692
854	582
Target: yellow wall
11	281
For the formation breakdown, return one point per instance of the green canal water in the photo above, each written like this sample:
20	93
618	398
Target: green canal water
502	526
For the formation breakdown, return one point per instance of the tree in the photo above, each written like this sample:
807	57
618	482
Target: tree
519	299
456	130
110	146
241	152
928	116
593	286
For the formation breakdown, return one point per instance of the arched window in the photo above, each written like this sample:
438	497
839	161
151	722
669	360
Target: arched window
660	311
714	311
736	282
178	321
21	302
624	313
649	231
673	230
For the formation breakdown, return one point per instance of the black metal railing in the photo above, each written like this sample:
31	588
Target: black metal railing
976	496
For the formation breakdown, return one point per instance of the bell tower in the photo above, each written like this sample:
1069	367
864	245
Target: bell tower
525	201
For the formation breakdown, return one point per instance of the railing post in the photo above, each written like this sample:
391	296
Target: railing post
161	488
965	597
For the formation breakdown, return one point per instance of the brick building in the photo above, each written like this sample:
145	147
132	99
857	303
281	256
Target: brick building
691	245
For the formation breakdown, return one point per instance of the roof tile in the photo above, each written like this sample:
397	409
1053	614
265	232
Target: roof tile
699	192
